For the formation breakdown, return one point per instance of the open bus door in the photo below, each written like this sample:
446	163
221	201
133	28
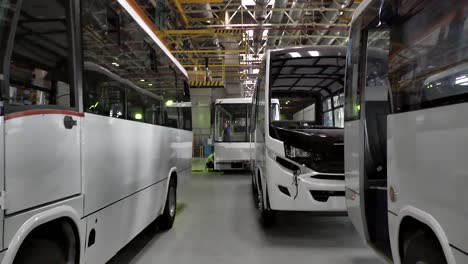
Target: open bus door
368	107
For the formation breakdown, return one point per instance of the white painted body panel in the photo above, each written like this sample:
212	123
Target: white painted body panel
42	157
125	165
229	152
2	179
353	134
430	147
121	157
243	100
276	175
13	223
121	222
40	217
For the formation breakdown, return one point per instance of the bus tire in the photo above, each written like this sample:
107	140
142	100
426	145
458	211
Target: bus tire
254	188
423	248
41	250
166	220
267	216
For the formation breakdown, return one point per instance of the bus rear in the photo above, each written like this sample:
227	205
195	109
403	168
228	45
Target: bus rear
231	139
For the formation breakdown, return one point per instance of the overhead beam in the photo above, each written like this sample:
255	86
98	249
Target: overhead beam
217	65
208	51
205	31
181	10
316	9
201	1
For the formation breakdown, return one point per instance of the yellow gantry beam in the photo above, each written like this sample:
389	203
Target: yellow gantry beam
181	10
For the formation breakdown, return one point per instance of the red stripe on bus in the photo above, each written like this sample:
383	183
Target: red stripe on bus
42	112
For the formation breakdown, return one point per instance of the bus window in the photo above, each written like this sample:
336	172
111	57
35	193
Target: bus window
353	89
231	122
172	117
333	113
41	64
428	67
187	117
103	96
143	108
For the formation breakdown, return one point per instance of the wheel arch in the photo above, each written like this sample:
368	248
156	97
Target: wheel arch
60	214
411	218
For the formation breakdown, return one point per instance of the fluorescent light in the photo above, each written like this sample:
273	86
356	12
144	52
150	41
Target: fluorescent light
169	102
138	116
461	80
248	2
295	54
314	53
150	84
115	64
142	80
147	29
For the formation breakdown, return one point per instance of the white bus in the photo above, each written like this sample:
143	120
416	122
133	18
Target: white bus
90	155
406	129
297	132
231	137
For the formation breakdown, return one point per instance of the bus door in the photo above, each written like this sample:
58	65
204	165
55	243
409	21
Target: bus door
42	121
375	107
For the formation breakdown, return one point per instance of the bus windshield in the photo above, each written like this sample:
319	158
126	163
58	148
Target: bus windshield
231	122
308	90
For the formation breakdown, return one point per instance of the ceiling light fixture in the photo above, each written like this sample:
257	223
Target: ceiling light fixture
141	22
314	53
294	54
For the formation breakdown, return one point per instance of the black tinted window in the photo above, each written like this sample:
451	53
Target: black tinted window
187	117
428	54
143	108
103	95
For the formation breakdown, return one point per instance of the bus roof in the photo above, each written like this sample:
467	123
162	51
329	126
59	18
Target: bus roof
245	100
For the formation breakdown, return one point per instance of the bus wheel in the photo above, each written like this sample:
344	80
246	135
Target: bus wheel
421	248
254	188
166	220
41	250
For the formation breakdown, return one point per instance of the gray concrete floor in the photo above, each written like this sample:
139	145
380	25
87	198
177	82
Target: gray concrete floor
217	223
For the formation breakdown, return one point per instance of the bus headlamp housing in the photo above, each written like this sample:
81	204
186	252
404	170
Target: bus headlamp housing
293	152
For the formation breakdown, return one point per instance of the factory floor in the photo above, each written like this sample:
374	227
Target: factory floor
217	223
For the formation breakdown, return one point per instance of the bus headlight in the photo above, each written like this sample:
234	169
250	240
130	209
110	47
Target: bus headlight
293	152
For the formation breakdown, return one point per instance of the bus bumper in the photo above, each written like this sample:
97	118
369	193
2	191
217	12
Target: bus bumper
316	195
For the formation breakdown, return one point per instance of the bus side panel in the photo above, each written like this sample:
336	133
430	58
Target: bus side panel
233	151
182	146
42	161
117	224
122	157
429	148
